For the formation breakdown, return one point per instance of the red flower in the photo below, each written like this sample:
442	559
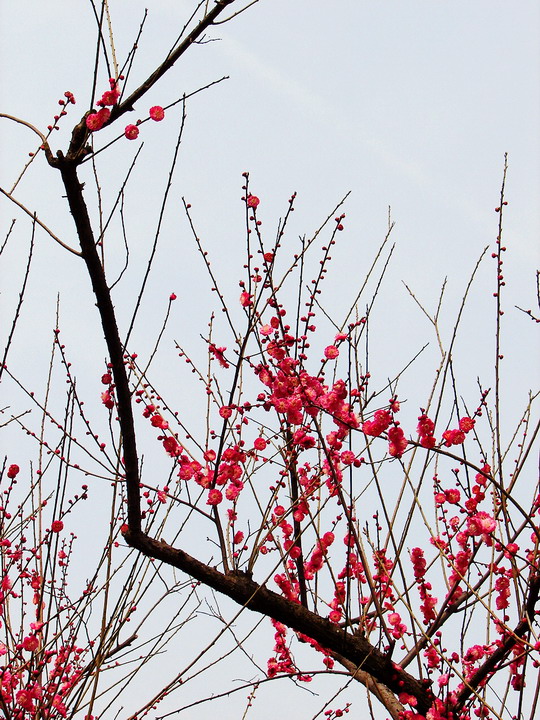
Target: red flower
57	526
328	538
252	201
25	700
219	354
453	437
107	399
215	496
331	352
30	643
157	113
13	471
480	524
131	132
466	424
426	428
245	299
453	496
380	423
95	121
172	447
397	442
158	421
109	97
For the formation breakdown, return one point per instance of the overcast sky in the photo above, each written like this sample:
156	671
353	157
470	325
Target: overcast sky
410	104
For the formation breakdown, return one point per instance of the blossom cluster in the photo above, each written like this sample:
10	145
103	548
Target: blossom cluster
98	119
40	666
311	429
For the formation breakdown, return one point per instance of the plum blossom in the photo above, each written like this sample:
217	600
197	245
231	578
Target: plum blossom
131	132
157	113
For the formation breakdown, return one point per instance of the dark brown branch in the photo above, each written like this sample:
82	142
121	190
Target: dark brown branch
381	692
291	464
242	589
90	255
77	149
152	79
121	646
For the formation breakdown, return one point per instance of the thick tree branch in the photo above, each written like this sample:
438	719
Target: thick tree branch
90	255
242	589
80	134
381	692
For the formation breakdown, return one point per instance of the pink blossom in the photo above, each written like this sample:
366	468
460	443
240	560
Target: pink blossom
245	299
30	643
13	471
25	700
331	352
218	353
215	496
131	132
171	446
109	97
157	113
295	551
348	457
453	496
233	491
481	523
60	707
397	441
443	679
453	437
107	399
327	539
380	423
158	421
252	201
95	121
466	424
425	429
